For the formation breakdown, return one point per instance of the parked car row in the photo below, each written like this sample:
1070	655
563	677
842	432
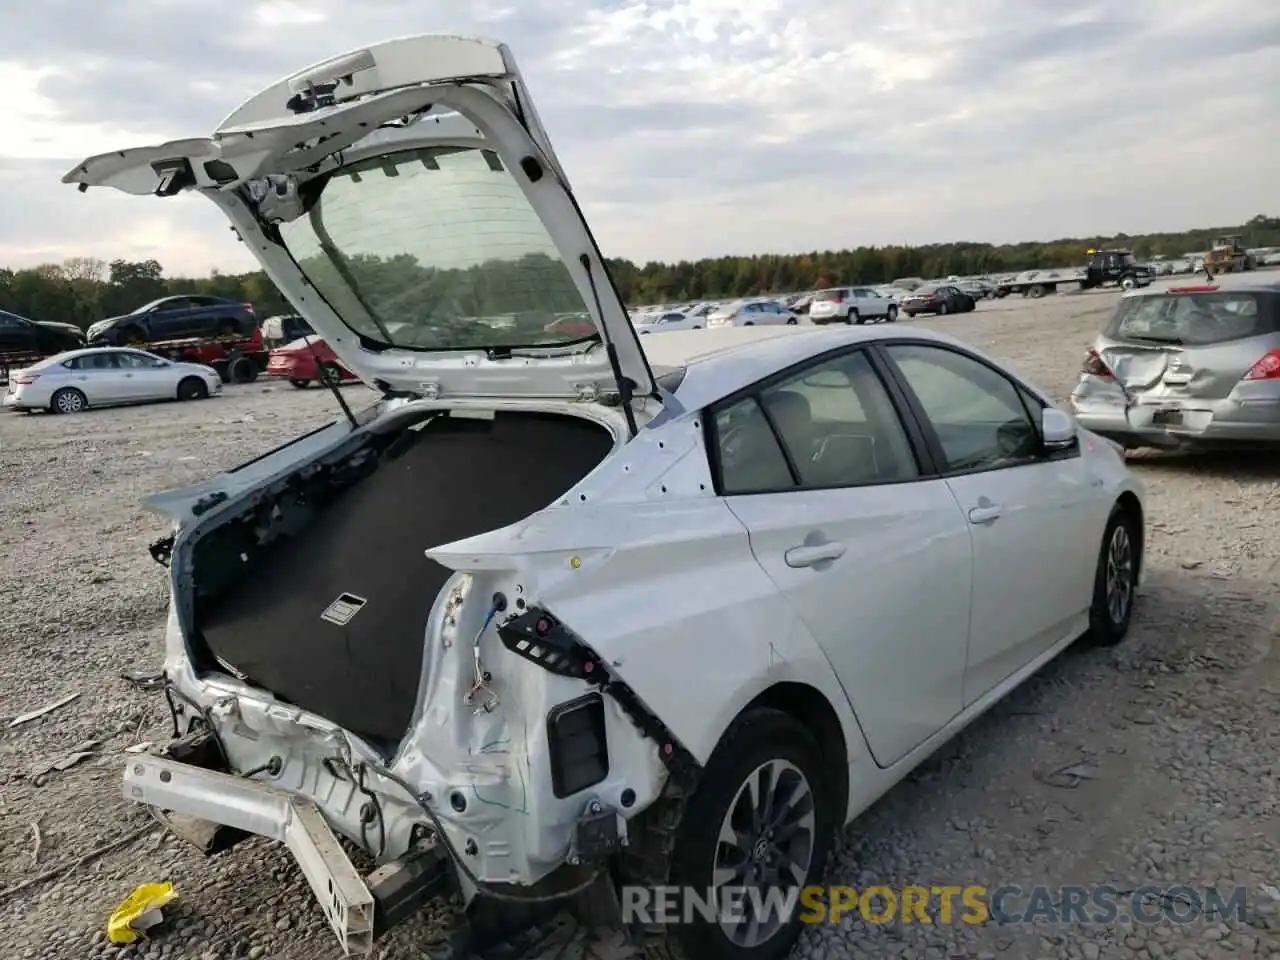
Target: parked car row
851	305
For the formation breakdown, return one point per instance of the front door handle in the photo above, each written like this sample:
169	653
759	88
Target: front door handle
810	554
985	512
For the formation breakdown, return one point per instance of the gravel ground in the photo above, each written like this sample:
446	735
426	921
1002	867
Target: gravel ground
1180	725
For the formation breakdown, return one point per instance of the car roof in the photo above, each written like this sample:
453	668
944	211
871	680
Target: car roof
1243	282
90	351
717	363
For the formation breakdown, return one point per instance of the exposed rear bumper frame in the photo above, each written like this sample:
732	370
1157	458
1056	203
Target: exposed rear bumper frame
267	812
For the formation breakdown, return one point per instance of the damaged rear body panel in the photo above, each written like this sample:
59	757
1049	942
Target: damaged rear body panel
433	628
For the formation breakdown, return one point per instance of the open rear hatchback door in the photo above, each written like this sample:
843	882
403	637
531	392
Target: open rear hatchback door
407	200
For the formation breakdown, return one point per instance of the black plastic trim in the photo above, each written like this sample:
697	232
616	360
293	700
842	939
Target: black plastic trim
573	769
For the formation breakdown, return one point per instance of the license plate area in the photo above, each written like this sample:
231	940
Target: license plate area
1166	418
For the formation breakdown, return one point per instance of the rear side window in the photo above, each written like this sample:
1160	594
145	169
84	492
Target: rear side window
751	461
93	361
1193	318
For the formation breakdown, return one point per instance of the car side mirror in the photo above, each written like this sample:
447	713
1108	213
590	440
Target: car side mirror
1057	429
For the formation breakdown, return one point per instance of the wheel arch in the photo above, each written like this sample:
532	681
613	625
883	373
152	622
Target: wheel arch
809	707
1129	502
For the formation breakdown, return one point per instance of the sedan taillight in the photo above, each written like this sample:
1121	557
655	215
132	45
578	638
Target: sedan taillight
25	379
1267	367
1095	366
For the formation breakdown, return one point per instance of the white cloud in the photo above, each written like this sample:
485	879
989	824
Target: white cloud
700	127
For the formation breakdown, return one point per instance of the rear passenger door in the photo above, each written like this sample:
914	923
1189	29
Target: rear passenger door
871	551
1033	517
99	377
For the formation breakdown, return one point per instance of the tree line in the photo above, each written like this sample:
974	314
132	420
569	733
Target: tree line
83	290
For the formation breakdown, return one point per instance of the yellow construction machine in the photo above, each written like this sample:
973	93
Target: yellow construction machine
1228	256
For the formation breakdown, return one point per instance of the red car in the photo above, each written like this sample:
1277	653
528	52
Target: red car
301	361
571	327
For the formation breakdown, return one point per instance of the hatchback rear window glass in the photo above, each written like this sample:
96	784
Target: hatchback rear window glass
1192	318
827	295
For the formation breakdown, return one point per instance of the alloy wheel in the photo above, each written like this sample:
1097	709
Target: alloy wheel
70	402
767	841
1119	574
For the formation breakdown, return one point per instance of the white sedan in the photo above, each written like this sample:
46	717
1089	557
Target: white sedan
105	376
675	609
667	321
751	313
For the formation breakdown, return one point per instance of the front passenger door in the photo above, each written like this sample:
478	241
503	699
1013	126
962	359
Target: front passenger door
872	553
1033	519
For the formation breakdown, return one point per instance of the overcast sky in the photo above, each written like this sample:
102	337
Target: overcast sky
700	127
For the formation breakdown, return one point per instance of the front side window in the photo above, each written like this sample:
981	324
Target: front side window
436	248
976	412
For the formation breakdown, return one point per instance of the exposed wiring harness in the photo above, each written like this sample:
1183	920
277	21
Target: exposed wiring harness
481	678
376	808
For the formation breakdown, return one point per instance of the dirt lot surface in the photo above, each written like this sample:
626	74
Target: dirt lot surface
1179	728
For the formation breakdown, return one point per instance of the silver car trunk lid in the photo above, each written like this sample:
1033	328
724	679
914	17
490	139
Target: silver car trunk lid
406	199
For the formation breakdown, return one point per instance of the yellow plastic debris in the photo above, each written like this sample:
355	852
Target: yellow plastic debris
139	912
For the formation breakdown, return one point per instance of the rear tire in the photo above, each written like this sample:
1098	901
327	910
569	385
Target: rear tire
943	309
330	373
193	388
242	370
68	400
1115	581
771	750
855	317
891	314
792	321
300	384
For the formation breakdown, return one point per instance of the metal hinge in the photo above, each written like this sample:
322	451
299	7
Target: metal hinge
429	391
162	550
587	392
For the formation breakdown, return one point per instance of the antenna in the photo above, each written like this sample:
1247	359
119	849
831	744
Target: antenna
330	383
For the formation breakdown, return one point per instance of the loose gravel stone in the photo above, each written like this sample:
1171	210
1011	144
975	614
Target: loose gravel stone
1181	723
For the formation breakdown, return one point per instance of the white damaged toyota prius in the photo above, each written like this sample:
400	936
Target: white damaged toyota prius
555	617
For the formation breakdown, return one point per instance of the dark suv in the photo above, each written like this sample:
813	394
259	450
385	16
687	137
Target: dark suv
20	336
171	318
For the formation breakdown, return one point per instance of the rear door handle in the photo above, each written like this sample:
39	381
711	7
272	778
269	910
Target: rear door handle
808	555
984	514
